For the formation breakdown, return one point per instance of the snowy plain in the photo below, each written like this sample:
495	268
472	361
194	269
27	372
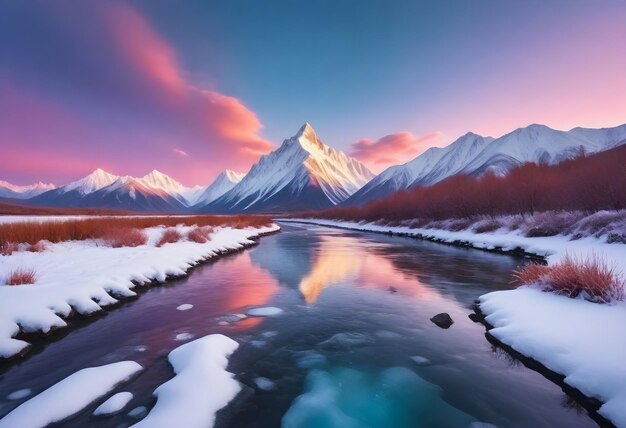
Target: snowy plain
583	341
87	276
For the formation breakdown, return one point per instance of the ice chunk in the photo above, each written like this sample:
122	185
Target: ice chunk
183	336
348	340
70	395
420	361
266	311
19	394
184	307
114	404
310	359
264	383
201	385
138	412
348	398
269	334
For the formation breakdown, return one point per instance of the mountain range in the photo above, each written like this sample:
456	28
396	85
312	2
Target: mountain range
306	174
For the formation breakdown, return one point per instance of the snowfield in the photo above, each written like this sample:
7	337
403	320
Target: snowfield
86	276
200	388
70	395
581	340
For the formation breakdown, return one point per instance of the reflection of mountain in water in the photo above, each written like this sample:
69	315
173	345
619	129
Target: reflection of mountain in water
287	256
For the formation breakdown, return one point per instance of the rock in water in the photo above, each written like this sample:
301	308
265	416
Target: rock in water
442	320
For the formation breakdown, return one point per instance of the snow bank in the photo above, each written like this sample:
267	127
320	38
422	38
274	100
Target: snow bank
114	404
87	276
583	341
70	395
200	388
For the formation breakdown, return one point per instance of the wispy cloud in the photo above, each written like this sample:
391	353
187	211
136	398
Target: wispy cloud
393	148
180	152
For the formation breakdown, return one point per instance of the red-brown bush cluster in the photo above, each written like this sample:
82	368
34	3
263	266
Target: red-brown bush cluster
169	236
587	183
592	278
100	227
22	276
118	237
200	234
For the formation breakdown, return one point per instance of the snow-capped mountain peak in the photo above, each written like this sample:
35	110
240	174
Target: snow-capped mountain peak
302	173
92	182
225	181
157	180
10	190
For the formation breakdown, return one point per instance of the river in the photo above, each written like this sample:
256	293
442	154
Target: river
354	345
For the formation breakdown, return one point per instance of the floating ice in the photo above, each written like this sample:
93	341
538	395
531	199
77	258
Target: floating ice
200	387
184	307
114	404
258	343
421	361
269	334
348	340
266	311
19	394
138	412
183	336
310	359
264	383
348	398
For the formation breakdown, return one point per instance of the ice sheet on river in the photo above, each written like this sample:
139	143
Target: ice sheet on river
348	398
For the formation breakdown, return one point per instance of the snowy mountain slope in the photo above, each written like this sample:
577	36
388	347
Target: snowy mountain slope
303	173
225	181
475	155
153	192
9	190
131	193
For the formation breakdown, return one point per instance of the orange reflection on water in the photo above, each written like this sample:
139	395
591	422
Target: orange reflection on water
340	258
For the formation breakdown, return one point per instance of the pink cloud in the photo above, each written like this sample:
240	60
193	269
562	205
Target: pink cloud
130	103
393	148
180	152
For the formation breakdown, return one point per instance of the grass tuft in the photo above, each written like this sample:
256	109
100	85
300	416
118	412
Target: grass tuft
118	237
169	237
591	278
200	234
22	276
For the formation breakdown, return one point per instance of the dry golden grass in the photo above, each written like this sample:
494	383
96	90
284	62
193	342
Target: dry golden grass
99	227
200	234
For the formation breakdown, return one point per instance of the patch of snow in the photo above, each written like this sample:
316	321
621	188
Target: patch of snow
201	385
70	395
19	394
75	275
184	307
266	311
114	404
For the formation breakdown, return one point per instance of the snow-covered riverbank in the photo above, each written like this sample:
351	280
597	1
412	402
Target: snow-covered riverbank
583	341
86	276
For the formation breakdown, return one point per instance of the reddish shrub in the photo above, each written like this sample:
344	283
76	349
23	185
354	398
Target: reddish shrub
592	278
37	247
169	236
488	225
200	234
22	276
8	248
117	237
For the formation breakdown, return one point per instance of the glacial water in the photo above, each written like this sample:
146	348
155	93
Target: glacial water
352	347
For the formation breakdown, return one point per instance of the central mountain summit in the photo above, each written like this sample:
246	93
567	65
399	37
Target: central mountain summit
302	174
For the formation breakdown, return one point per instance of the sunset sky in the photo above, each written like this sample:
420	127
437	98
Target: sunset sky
192	88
